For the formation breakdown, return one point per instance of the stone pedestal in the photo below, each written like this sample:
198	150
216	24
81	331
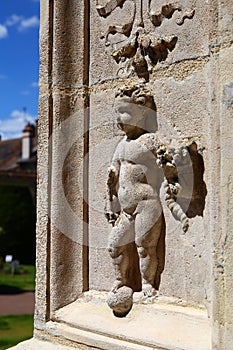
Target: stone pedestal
191	81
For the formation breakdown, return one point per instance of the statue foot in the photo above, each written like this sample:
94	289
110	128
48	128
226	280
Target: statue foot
149	293
116	285
148	290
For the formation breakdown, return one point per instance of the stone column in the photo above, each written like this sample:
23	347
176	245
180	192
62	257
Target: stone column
89	51
222	239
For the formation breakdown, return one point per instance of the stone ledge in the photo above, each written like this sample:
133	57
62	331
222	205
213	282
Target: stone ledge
35	344
153	326
88	323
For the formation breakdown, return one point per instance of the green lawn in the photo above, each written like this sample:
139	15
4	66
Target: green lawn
14	329
23	280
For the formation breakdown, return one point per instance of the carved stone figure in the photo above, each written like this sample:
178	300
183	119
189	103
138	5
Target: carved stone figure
139	165
142	161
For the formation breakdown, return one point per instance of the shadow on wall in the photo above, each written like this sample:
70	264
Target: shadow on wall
195	206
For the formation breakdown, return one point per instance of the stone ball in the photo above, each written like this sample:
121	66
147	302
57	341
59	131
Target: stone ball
121	301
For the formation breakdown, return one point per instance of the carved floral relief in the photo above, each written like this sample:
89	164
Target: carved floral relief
140	48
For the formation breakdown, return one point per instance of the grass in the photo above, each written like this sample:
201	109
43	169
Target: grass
22	281
14	329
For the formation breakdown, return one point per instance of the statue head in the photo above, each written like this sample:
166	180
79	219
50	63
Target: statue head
137	94
135	106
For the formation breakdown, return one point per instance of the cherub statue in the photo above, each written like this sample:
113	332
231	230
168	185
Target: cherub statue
139	166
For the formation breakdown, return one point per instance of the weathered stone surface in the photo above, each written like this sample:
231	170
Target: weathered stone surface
182	53
222	285
177	326
101	147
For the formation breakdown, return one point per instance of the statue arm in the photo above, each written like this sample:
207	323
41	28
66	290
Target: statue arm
112	207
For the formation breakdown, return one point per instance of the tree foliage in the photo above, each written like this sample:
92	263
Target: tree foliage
17	223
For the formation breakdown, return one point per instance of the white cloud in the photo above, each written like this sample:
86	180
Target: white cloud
25	92
35	84
13	126
3	31
21	22
22	116
13	20
29	23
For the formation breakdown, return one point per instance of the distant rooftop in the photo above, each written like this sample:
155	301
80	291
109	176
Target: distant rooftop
12	167
10	153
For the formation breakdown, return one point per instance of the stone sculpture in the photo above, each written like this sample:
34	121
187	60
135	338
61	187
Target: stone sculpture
142	160
140	163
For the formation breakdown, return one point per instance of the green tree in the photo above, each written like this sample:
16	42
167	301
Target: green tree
17	223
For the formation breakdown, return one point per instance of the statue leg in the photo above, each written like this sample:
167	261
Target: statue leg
121	266
148	265
121	235
149	225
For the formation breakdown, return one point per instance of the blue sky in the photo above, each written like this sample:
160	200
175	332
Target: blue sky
19	65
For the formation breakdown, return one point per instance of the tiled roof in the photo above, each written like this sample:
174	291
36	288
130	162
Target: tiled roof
10	153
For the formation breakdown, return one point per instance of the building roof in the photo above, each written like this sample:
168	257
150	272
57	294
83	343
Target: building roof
12	168
10	153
